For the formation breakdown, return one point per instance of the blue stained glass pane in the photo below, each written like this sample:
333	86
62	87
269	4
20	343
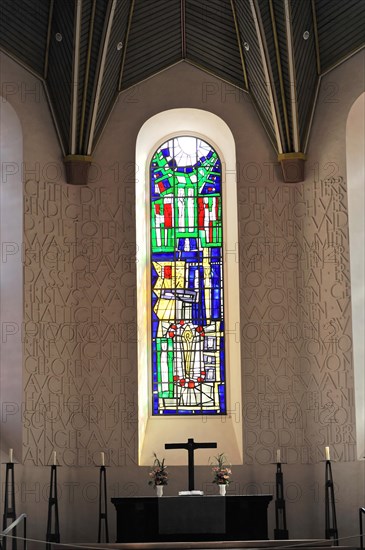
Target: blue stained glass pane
221	353
222	401
191	271
154	277
165	257
193	256
181	245
215	253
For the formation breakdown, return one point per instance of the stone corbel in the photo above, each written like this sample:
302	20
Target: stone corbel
77	169
292	165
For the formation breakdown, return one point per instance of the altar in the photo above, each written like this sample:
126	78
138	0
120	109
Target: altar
192	518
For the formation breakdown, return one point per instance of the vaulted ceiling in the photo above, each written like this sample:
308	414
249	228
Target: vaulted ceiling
88	51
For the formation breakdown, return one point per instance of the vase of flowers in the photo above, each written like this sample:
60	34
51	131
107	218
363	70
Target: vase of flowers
221	472
158	475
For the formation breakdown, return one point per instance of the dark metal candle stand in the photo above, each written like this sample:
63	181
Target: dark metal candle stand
280	531
9	508
330	506
103	513
53	536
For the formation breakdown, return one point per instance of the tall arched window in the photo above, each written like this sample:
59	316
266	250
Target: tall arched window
187	309
189	365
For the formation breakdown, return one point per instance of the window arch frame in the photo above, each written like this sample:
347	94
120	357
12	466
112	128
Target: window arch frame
155	131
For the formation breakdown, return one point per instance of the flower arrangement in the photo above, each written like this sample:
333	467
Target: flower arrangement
158	474
221	470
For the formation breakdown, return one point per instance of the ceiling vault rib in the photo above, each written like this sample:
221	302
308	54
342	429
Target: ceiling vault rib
312	114
99	79
126	38
293	94
22	63
75	75
280	73
46	53
263	122
310	124
54	118
239	43
87	52
342	59
183	29
87	74
273	106
316	39
131	86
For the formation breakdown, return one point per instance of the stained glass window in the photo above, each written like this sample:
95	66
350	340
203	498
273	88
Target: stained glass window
188	359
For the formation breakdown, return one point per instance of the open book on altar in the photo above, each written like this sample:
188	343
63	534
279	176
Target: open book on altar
190	493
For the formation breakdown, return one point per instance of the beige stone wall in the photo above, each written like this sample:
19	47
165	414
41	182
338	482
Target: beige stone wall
296	322
80	332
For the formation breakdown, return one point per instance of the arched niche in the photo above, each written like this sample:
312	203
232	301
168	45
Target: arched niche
11	278
355	160
154	432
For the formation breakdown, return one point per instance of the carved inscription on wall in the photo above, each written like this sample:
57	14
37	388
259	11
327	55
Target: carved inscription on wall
80	333
295	315
80	328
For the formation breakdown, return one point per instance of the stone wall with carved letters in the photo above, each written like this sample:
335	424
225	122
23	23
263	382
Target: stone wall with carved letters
80	386
296	321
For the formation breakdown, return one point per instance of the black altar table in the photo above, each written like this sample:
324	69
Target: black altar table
191	518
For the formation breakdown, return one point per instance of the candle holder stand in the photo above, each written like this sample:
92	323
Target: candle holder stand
280	532
103	513
9	501
330	506
53	535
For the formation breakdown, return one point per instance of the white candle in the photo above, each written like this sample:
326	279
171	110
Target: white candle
278	458
327	453
54	458
102	459
10	455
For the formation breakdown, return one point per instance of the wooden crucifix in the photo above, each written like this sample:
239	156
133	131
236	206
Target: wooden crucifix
190	446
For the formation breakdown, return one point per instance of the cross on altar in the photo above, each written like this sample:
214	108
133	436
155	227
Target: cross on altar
190	446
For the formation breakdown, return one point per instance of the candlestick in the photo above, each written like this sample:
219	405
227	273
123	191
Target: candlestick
10	455
54	458
327	453
102	459
278	458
